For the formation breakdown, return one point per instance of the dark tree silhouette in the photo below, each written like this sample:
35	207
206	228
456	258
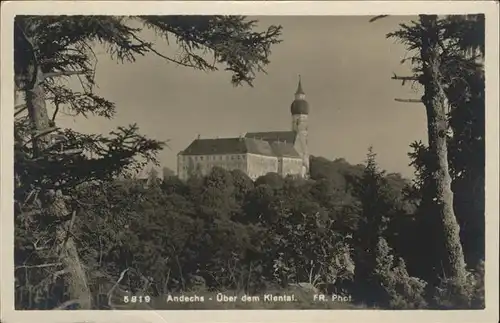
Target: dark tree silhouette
52	47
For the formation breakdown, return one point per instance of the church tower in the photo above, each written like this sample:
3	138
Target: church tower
300	113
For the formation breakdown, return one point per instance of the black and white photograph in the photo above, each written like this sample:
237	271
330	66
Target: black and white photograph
232	161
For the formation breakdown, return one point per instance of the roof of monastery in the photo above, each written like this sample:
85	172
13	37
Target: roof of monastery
274	143
245	145
280	136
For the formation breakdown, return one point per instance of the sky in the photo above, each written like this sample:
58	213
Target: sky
345	62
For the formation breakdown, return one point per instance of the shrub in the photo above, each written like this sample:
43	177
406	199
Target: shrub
447	293
401	290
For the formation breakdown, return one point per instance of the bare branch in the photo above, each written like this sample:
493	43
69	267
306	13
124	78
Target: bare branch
404	78
39	266
35	245
171	59
68	152
44	132
153	50
62	73
67	304
56	110
408	100
39	134
58	273
70	226
19	108
377	18
110	293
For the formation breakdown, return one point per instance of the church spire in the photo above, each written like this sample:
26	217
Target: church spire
300	91
300	105
299	87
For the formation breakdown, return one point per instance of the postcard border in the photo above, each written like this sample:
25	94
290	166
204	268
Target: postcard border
260	8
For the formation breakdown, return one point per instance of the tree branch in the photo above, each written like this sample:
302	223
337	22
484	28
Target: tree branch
19	108
39	266
58	273
39	134
110	293
408	100
45	132
153	50
56	110
70	226
377	18
405	78
66	304
62	73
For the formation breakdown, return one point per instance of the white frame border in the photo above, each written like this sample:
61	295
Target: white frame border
250	8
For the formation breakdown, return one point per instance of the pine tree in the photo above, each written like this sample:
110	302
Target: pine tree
375	209
48	48
440	46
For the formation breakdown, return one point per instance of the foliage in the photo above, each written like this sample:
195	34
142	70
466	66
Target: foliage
54	165
461	71
402	291
63	46
379	207
179	232
339	231
446	296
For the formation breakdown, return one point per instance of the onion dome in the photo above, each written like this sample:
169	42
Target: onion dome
299	105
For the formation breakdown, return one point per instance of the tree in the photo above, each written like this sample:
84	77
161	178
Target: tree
335	171
167	173
153	177
378	279
50	47
274	180
438	58
467	122
401	291
435	101
375	209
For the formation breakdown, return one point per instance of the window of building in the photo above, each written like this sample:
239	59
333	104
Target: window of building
201	157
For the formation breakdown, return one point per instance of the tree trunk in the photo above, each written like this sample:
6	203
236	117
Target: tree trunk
66	247
37	112
79	290
435	102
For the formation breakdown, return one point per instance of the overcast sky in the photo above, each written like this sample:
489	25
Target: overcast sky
346	65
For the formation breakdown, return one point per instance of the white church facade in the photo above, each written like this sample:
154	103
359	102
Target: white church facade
255	153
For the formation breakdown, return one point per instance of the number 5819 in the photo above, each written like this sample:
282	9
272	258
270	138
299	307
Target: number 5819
136	299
